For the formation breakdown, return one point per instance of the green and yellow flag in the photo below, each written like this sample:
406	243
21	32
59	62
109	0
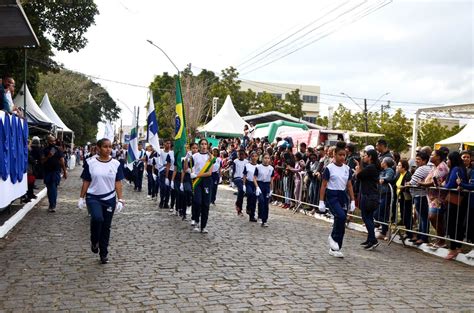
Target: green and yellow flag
180	128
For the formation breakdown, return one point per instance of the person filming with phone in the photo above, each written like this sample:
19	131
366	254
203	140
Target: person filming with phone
53	162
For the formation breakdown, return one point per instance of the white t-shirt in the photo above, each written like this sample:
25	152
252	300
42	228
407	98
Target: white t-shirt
337	176
264	173
199	160
249	171
165	158
217	165
239	167
102	176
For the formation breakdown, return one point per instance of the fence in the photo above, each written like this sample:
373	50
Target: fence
413	213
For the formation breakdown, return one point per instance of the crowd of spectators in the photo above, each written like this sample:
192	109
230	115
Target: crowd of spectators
412	193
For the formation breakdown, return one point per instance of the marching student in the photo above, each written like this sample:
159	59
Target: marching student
238	173
166	165
249	186
201	175
138	167
263	182
150	164
101	183
216	174
187	183
335	185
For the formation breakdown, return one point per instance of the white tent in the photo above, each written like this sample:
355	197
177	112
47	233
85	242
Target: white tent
48	110
33	111
465	136
227	122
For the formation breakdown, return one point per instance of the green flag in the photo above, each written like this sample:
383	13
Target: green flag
180	128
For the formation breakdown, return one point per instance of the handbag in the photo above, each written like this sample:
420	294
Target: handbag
454	197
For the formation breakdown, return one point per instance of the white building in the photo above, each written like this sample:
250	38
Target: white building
309	94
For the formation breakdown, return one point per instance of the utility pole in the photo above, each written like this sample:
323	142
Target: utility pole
366	117
138	133
382	107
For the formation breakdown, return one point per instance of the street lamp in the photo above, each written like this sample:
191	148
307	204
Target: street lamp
385	94
151	43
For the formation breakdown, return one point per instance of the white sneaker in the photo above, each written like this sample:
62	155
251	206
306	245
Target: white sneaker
332	244
470	255
196	229
148	197
337	254
193	223
204	231
171	210
188	210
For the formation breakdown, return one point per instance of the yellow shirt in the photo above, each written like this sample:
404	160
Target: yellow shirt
399	182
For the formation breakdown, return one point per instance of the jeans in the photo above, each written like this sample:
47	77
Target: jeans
421	207
406	208
337	205
51	180
263	200
164	190
286	188
101	212
383	214
313	191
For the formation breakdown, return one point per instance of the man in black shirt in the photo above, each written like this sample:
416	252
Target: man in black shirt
53	161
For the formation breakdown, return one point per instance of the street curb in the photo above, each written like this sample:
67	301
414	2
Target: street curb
18	216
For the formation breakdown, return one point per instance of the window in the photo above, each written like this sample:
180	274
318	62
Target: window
310	119
310	99
277	95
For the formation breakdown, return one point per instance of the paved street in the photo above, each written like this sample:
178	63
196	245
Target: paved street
157	263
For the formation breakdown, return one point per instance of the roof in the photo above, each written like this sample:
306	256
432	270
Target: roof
274	116
33	112
48	110
449	111
15	29
227	122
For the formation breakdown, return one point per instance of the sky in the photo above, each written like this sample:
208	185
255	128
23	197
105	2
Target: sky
418	51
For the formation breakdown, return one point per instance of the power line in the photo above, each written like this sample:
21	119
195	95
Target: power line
319	38
293	34
305	34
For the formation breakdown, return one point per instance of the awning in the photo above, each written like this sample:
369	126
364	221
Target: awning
15	29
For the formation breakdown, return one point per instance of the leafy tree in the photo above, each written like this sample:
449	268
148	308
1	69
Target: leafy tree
322	121
57	24
397	130
267	102
293	104
431	131
80	102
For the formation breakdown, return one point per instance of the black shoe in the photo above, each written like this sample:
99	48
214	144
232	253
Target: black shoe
364	243
51	210
252	220
33	196
371	246
95	248
412	239
104	260
160	205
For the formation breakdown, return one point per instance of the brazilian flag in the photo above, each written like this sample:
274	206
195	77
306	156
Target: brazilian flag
180	128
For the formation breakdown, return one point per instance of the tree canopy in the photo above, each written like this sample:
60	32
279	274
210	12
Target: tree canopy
80	102
57	24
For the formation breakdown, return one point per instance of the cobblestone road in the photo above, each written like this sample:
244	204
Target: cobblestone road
157	263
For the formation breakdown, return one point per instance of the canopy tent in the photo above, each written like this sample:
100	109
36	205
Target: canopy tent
48	110
464	137
226	123
34	114
447	111
15	29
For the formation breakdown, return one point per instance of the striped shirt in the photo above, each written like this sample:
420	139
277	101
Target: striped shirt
419	176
